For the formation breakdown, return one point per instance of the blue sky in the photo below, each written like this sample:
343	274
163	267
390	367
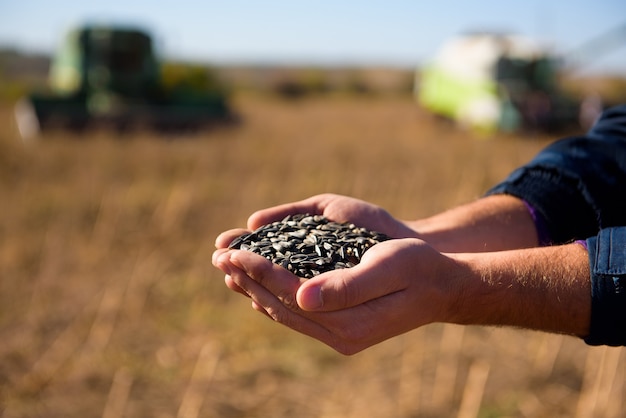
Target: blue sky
390	32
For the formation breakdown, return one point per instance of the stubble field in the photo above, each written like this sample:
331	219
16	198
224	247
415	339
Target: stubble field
110	307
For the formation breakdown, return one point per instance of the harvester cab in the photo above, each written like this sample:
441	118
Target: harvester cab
111	76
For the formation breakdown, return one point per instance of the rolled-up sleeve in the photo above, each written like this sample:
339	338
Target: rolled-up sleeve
607	262
576	189
576	185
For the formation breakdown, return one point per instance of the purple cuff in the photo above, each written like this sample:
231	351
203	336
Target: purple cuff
542	231
583	243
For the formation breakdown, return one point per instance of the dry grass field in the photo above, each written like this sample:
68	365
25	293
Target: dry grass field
110	307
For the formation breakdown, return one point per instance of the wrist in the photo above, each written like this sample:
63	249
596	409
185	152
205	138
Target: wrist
493	223
541	288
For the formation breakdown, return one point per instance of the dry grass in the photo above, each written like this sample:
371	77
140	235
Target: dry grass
109	305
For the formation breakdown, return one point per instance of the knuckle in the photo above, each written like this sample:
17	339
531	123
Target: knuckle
280	314
263	273
288	299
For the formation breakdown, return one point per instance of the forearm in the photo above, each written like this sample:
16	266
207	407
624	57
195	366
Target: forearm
493	223
544	289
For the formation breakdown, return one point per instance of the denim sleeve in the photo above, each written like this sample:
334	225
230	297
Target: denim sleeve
607	262
575	185
575	188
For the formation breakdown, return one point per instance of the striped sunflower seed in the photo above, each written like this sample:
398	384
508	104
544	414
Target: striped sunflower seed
308	245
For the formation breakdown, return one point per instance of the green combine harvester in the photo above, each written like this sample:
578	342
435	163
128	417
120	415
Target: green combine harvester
110	77
488	82
493	82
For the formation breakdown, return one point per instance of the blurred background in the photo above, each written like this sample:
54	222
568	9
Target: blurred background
398	33
132	133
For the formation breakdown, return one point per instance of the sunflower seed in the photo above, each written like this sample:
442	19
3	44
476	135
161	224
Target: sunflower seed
308	245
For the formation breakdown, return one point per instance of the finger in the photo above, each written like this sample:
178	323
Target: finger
220	260
313	205
216	256
345	288
348	331
233	286
260	309
280	282
267	216
224	239
277	308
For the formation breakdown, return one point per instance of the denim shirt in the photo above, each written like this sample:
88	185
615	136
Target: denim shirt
576	187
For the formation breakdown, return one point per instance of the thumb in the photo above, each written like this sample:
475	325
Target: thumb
345	288
384	269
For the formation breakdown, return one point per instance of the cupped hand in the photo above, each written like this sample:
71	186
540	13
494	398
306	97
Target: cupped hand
339	209
334	207
399	285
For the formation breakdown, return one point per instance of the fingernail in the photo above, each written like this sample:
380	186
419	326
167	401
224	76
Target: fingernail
310	298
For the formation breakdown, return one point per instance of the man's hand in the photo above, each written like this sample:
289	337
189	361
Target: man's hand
403	284
339	209
469	265
349	309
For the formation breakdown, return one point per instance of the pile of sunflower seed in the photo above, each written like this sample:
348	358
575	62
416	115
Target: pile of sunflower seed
308	245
